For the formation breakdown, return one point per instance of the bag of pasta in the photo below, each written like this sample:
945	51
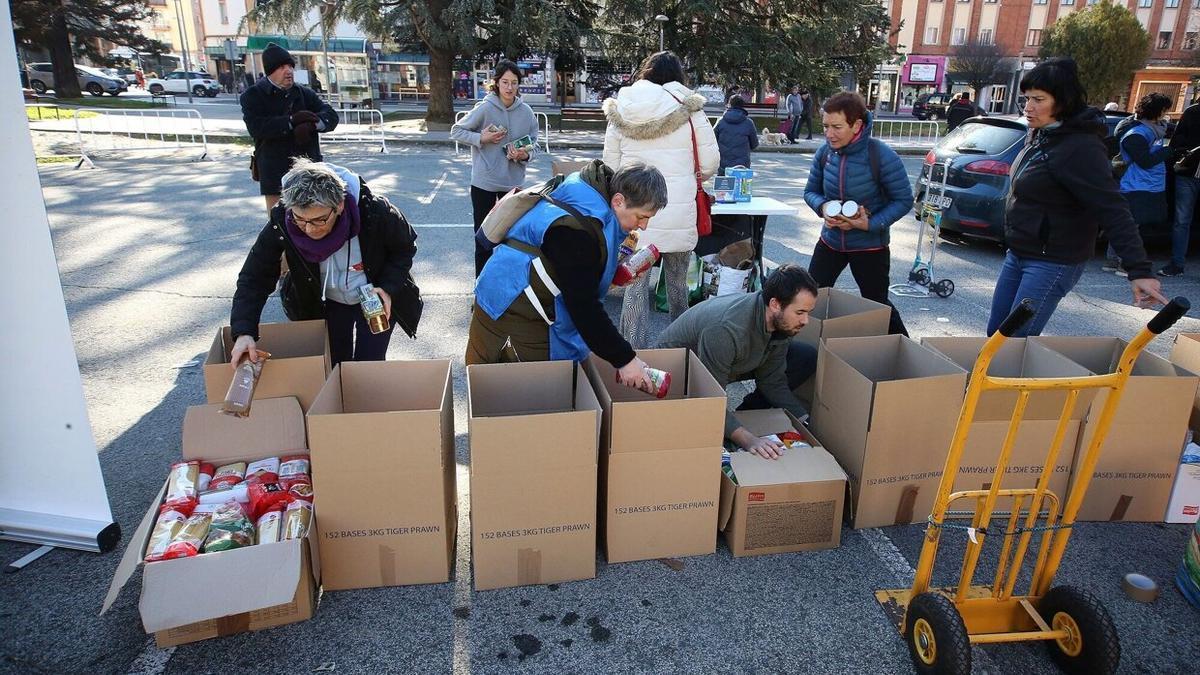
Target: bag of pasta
230	529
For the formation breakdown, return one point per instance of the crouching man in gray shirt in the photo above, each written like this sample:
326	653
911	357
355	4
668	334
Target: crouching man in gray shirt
744	337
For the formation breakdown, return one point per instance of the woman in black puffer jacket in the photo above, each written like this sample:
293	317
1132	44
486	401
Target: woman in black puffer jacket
1061	194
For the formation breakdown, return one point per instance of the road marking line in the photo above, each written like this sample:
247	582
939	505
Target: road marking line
152	660
428	199
442	225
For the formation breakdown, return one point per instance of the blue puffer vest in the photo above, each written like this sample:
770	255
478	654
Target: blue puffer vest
507	273
846	174
1137	179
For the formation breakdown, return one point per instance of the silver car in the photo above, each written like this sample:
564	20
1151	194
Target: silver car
91	80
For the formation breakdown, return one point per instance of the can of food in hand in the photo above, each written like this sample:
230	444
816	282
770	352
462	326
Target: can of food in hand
660	380
832	208
849	208
372	309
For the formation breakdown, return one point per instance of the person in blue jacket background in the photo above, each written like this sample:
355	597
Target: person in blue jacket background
1144	183
736	135
853	166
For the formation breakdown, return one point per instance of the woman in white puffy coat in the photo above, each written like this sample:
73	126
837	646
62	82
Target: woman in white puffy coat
648	123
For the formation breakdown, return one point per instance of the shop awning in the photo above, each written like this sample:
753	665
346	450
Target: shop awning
257	43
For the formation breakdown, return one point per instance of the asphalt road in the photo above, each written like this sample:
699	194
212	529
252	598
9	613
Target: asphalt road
149	250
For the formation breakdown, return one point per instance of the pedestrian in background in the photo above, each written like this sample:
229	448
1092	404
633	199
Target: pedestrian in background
852	166
284	119
659	122
1185	145
1061	194
960	111
736	135
497	166
337	236
1144	182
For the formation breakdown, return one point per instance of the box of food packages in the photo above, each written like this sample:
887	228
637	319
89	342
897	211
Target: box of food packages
227	545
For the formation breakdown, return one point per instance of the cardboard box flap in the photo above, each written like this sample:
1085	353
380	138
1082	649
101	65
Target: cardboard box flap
274	425
796	465
179	592
293	339
519	388
765	422
728	497
1186	351
371	387
134	552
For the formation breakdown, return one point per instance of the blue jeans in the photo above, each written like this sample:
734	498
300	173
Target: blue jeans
1186	191
1045	283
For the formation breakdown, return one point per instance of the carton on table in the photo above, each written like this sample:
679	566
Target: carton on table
298	365
381	436
886	408
793	503
1138	460
534	433
245	589
1017	357
660	460
841	314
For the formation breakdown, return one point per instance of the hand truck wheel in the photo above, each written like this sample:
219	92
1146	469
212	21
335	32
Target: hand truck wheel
921	276
1092	645
936	636
943	288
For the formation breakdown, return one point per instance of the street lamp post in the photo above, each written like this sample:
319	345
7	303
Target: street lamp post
183	48
662	21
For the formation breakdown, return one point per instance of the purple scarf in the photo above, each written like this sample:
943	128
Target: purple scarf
316	250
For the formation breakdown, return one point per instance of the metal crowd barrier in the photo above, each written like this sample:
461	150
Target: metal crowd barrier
906	131
357	125
121	130
544	141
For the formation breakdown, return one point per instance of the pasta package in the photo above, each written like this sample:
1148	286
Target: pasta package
168	525
270	524
230	529
181	485
293	466
206	475
297	518
188	540
263	471
241	389
227	476
298	488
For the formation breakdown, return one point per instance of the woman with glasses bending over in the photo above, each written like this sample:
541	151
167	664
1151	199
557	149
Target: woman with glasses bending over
497	164
337	237
1062	193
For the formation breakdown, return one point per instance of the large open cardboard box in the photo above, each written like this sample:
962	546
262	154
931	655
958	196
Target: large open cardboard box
886	408
783	505
1185	353
1016	358
841	314
298	365
660	460
245	589
382	441
1139	458
534	434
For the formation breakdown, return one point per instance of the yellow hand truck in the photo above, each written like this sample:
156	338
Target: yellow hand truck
940	625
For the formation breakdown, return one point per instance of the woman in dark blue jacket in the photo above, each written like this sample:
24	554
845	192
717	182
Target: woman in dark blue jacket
736	135
854	166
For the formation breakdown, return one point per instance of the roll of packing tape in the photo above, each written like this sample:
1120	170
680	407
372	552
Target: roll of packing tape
1140	587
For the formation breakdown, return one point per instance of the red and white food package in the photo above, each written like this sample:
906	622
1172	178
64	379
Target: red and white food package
263	471
297	518
227	476
293	466
265	495
269	526
206	475
169	523
299	487
181	485
187	542
237	493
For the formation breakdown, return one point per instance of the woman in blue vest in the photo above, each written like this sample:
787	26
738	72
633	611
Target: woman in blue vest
540	294
1144	183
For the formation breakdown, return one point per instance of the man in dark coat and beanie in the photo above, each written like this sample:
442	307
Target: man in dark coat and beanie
284	119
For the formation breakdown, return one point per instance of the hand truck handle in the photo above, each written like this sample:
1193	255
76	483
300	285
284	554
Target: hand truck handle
1167	316
1019	317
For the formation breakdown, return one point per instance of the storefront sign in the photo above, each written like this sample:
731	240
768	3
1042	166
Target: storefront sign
923	72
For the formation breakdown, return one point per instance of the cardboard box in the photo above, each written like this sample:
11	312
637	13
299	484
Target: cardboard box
1133	477
534	434
298	366
1016	358
245	589
839	314
886	408
382	441
661	460
783	505
1185	353
1184	504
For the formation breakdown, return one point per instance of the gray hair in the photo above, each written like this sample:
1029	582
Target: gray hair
642	185
312	183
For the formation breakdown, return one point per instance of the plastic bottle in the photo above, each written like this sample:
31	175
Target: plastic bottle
637	263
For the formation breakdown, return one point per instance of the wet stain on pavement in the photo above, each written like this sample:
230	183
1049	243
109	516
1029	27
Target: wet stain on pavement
528	644
462	612
525	603
599	633
547	617
502	655
646	603
567	643
570	619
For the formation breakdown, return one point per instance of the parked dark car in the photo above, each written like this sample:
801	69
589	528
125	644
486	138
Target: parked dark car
931	106
980	151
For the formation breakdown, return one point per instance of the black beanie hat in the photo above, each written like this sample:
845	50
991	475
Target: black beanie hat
275	56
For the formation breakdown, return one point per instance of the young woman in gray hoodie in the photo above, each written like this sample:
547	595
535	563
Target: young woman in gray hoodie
490	128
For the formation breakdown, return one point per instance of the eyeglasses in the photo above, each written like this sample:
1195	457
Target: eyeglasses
305	223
